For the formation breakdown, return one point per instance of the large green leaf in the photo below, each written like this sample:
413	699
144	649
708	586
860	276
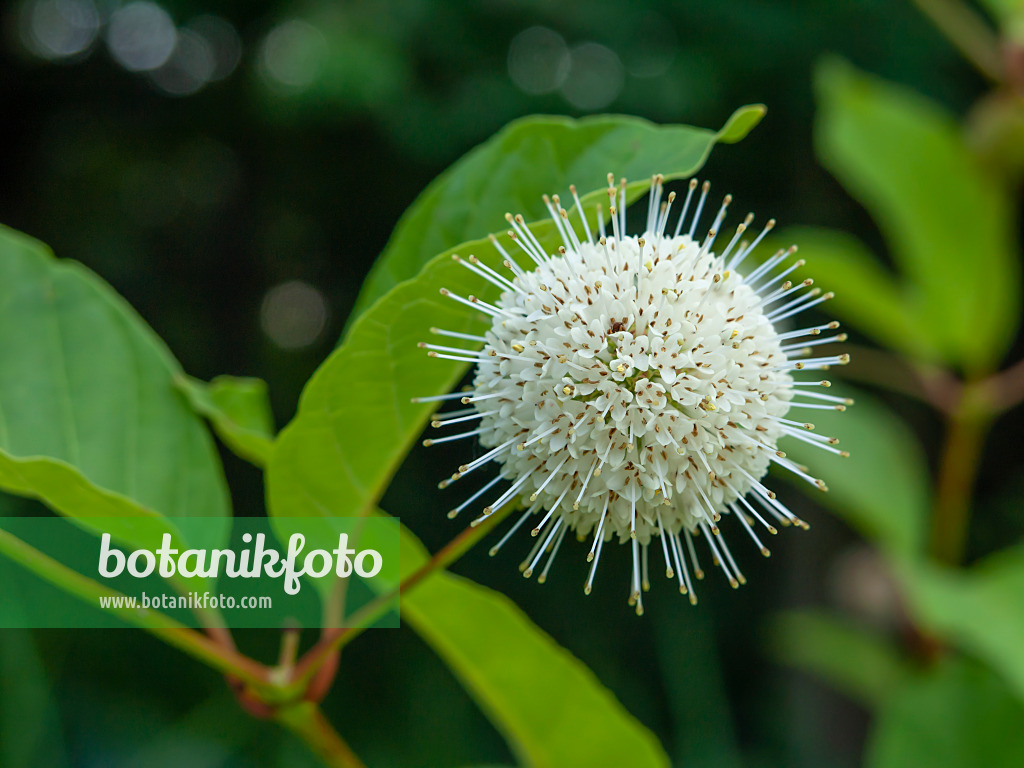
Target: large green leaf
979	610
861	663
881	489
531	157
355	421
90	421
238	409
553	711
949	227
959	715
866	294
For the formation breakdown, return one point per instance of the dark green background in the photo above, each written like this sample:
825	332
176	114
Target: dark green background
309	186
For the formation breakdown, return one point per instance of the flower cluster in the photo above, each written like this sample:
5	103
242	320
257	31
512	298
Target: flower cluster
635	388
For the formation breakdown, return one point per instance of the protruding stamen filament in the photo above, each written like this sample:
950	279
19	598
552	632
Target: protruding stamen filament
554	553
511	531
750	531
579	210
458	335
449	421
838	338
548	479
740	256
693	554
669	573
700	207
455	512
449	438
547	540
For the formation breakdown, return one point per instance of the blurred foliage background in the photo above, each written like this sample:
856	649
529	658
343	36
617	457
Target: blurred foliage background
233	169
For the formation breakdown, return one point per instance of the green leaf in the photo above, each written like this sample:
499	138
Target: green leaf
238	409
866	294
1009	13
531	157
978	610
949	227
861	663
958	716
553	711
881	489
90	421
356	421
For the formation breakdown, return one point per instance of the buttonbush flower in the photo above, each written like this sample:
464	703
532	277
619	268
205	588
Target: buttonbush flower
635	388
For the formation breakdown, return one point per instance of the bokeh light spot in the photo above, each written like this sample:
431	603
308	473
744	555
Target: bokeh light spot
595	77
293	314
538	60
189	68
56	29
293	54
224	42
141	36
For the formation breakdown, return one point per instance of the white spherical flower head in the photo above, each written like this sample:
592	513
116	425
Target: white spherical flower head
634	388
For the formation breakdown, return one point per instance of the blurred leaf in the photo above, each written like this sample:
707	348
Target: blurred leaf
949	227
355	421
958	716
239	409
531	157
552	709
861	663
979	610
882	488
1009	13
89	418
866	294
30	728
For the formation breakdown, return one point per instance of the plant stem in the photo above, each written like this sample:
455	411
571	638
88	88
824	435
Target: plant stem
209	651
333	640
934	386
308	723
1006	388
968	31
958	469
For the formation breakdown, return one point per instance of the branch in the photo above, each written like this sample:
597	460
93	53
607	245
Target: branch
333	640
968	32
934	386
1006	388
958	470
308	723
207	650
